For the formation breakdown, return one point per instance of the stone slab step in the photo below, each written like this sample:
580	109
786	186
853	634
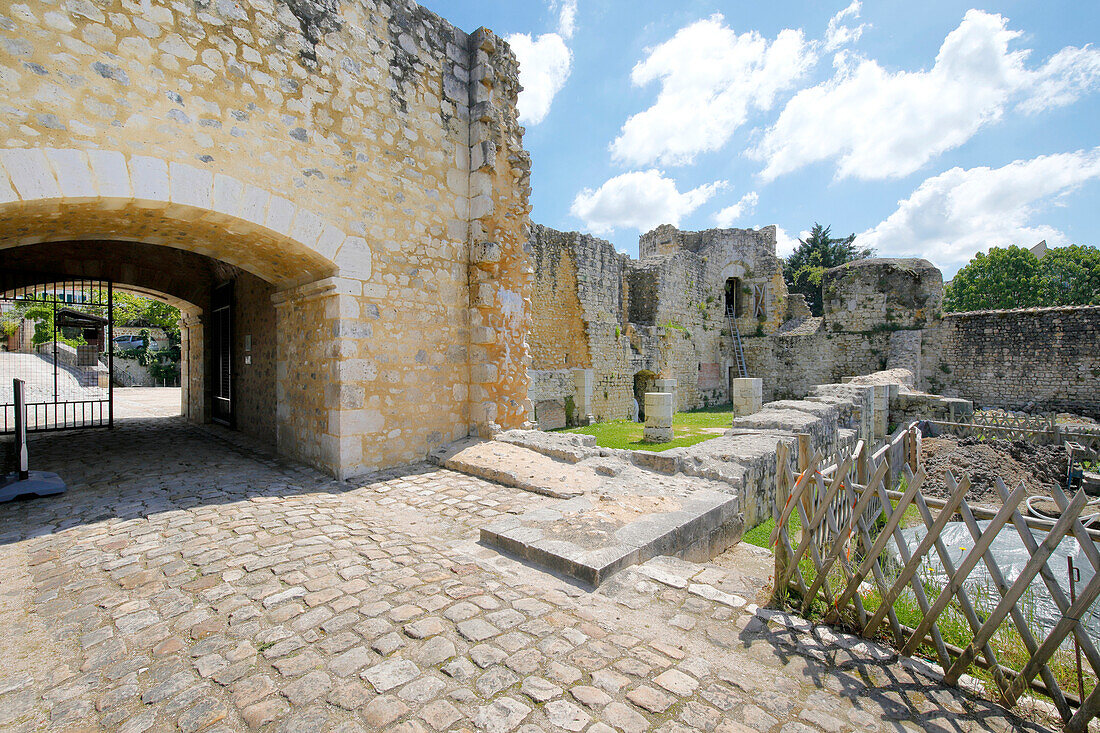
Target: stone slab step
590	538
514	465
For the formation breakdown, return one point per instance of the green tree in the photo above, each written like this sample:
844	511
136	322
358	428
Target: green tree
814	255
137	310
1005	277
1070	276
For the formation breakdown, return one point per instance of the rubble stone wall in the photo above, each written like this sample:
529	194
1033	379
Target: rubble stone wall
664	313
1037	360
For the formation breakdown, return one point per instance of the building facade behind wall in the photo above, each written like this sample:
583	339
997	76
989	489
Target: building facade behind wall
356	169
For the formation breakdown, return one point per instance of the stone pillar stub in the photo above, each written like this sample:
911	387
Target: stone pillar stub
867	415
665	385
658	417
881	410
584	381
747	396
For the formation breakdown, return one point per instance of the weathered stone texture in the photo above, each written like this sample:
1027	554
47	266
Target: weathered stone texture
663	314
368	151
1042	359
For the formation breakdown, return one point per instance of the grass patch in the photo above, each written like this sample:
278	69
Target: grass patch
690	428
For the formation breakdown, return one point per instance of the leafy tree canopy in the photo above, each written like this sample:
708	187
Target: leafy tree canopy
814	255
1013	277
136	310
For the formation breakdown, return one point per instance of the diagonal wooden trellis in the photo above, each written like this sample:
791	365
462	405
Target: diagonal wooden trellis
1034	428
849	516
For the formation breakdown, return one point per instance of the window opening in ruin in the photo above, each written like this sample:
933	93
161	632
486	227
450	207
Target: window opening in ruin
734	301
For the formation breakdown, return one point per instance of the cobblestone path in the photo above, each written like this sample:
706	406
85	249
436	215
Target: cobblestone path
187	583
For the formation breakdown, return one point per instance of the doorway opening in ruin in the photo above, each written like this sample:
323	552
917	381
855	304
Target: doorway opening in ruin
734	299
644	381
222	347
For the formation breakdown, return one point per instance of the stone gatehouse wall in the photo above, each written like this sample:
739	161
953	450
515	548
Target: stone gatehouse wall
1042	359
363	157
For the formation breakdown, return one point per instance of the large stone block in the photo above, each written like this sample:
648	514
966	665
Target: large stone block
658	417
747	395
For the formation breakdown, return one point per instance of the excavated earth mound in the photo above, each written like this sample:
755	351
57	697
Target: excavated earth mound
1037	466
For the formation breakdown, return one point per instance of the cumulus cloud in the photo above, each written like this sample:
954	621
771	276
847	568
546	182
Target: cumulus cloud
960	212
839	33
639	200
545	63
879	124
710	78
785	244
745	206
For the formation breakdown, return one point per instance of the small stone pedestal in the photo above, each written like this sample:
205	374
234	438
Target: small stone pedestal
658	417
747	396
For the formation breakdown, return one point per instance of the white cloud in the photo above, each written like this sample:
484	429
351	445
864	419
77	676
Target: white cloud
839	33
567	18
745	206
710	77
960	212
639	200
881	124
785	243
545	63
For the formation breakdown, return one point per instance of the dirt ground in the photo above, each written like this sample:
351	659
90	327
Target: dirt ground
1015	461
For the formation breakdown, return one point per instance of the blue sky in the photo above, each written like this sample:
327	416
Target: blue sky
932	129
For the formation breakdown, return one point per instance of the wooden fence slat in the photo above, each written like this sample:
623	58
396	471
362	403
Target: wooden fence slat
843	538
1018	619
1070	621
969	562
892	521
876	571
1019	586
963	597
809	522
841	506
914	562
799	489
838	543
921	597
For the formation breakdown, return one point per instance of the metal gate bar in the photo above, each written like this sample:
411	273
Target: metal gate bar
57	336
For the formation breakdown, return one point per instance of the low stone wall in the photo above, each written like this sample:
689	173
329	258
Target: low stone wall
1034	360
130	373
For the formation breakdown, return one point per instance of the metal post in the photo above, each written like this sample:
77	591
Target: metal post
1074	579
54	307
18	388
110	355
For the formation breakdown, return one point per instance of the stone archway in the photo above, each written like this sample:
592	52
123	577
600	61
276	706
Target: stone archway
146	222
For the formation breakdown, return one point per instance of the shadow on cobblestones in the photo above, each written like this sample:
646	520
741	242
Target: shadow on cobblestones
192	582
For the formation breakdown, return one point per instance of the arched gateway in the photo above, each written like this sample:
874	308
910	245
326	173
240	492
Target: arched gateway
362	186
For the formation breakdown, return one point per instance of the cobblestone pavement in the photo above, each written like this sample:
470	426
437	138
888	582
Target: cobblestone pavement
189	583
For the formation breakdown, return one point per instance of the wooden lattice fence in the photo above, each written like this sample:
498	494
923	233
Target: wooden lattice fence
1043	430
850	516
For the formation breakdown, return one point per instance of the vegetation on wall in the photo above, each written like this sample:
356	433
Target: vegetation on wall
1013	277
814	255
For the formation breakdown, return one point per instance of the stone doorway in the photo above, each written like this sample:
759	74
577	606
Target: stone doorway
644	381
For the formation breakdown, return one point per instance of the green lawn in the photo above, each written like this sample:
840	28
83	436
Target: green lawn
687	427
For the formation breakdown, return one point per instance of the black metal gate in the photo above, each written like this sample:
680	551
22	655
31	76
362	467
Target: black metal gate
221	332
56	336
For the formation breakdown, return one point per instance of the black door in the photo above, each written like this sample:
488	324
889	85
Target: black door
221	331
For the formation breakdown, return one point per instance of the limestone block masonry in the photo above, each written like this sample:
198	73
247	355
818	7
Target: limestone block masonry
747	395
363	159
658	417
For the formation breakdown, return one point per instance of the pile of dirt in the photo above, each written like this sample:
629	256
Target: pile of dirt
1038	467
